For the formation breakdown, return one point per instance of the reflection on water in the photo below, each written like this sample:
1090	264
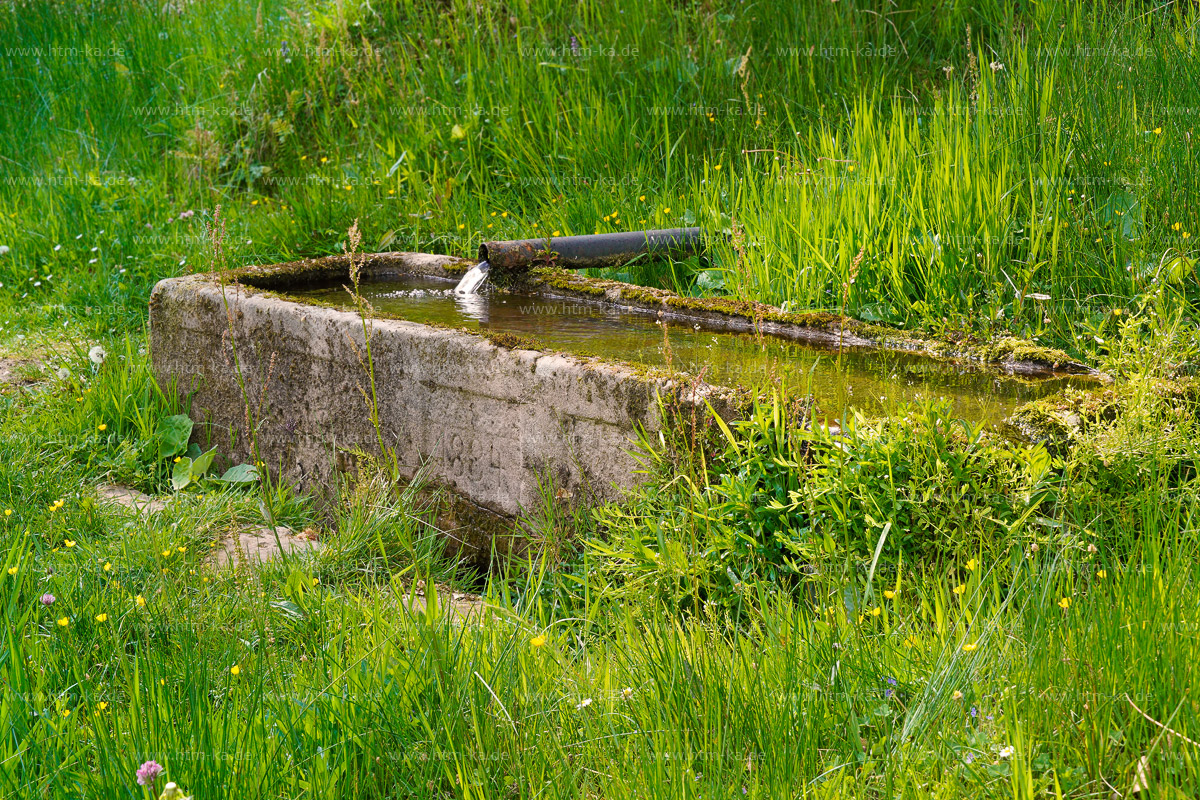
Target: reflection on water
873	381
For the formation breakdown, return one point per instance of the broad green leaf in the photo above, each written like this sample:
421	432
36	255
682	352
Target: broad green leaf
173	434
201	464
242	473
181	474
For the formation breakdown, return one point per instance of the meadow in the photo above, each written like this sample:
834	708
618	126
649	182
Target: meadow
915	608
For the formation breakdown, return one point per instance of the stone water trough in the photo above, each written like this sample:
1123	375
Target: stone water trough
482	417
472	411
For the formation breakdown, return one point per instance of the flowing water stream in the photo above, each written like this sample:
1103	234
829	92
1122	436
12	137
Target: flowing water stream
871	380
474	279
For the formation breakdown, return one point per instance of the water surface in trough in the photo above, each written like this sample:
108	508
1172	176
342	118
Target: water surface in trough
873	381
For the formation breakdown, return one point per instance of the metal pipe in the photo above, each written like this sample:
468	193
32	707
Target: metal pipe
599	250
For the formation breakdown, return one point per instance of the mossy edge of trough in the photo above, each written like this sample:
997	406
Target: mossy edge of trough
1012	353
1058	421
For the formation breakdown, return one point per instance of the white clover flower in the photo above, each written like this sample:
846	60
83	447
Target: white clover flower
97	355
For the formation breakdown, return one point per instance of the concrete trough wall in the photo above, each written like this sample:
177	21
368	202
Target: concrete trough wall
485	421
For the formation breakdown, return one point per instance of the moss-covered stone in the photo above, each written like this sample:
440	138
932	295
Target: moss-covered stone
823	327
512	341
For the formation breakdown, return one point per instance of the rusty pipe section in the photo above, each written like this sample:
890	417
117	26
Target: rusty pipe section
599	250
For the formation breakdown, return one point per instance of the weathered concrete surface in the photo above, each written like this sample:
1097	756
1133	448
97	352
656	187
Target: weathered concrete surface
483	420
257	545
128	498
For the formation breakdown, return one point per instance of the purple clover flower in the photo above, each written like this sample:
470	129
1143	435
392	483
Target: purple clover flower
47	599
148	773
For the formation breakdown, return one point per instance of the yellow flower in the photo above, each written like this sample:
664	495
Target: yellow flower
69	542
181	549
315	581
63	622
718	166
957	695
971	565
141	601
102	618
166	553
875	612
1102	574
538	641
889	594
1178	226
642	198
12	570
235	670
667	210
101	427
1158	130
968	647
1064	602
1186	235
102	705
8	512
66	712
107	567
960	589
460	227
178	459
556	233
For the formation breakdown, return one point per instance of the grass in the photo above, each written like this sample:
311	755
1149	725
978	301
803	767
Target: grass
912	610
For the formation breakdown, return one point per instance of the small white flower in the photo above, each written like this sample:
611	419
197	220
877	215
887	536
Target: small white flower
1006	752
57	247
3	249
996	66
627	692
584	703
97	355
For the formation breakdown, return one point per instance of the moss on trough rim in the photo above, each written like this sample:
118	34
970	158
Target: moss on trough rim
1014	354
1010	354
